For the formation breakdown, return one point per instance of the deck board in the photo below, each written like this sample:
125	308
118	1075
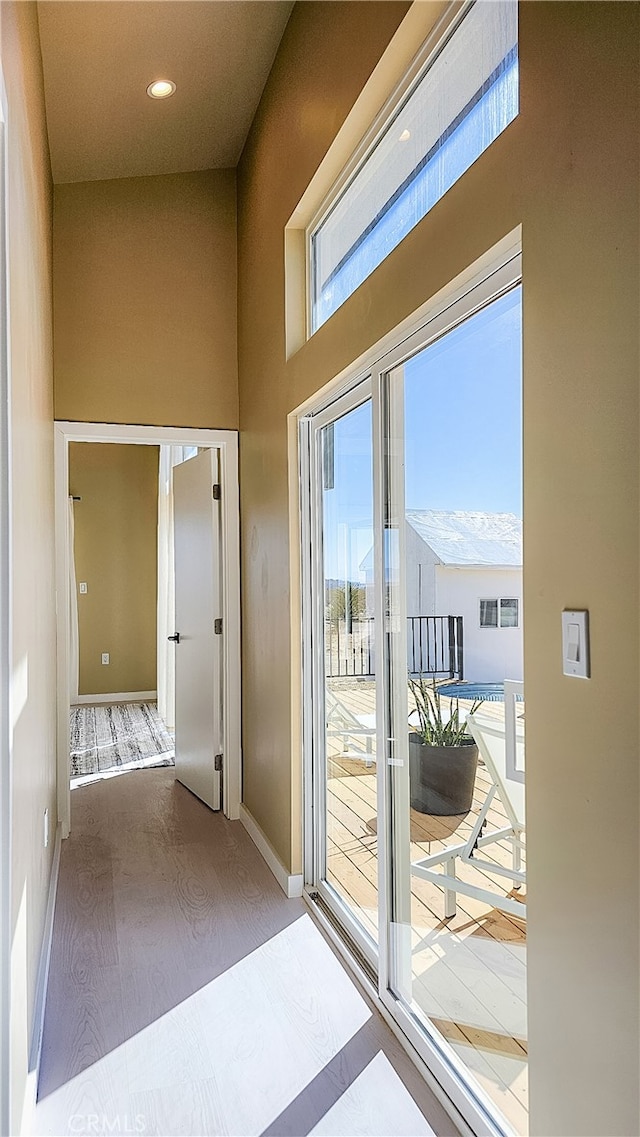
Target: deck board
468	972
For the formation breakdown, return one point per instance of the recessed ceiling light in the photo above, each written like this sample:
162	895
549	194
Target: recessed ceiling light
161	89
405	136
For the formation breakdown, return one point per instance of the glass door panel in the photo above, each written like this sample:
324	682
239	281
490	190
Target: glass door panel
453	599
348	853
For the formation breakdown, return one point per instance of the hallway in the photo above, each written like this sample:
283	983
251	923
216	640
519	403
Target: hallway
187	995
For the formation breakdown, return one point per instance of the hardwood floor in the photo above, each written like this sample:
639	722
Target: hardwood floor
187	995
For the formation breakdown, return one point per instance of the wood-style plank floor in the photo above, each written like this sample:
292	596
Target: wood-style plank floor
187	995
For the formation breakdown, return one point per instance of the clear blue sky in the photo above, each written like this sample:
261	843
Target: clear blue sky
463	415
463	434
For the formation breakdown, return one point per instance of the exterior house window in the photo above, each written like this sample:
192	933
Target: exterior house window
465	94
500	613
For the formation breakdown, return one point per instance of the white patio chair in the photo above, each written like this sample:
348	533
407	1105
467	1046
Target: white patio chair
357	732
441	867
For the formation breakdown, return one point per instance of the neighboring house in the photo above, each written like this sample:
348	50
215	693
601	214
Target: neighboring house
468	564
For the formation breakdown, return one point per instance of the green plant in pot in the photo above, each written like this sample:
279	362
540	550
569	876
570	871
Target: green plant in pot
442	755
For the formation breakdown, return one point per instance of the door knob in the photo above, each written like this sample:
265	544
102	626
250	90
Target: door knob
176	638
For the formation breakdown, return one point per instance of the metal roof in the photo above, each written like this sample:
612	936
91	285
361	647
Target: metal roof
463	538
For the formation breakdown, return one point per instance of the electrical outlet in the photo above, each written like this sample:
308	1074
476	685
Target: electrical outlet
83	587
46	828
105	657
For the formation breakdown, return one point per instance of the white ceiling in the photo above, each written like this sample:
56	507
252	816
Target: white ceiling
99	56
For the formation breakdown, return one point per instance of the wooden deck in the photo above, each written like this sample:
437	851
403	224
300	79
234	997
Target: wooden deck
468	972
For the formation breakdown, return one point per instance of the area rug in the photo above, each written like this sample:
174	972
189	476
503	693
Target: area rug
121	736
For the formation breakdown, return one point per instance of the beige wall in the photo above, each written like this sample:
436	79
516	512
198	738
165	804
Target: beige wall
115	544
567	170
327	53
33	611
145	312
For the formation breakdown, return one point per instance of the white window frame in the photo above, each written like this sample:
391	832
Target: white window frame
488	600
498	600
432	46
500	603
226	443
435	43
493	276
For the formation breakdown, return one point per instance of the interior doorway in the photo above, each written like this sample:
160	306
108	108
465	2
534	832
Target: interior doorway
113	520
114	560
217	739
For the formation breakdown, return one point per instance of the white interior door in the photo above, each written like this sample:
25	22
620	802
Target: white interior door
198	721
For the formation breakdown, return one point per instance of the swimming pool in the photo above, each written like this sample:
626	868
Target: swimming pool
490	692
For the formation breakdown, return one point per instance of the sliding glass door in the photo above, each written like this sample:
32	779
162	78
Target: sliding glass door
344	693
415	693
453	487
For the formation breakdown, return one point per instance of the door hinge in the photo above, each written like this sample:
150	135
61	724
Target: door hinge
217	491
217	763
217	626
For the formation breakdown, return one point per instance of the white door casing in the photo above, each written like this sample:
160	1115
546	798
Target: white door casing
198	713
226	444
498	271
5	639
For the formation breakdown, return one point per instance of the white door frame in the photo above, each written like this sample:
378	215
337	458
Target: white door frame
226	442
6	562
496	272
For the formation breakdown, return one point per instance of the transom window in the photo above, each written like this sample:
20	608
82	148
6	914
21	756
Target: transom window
464	97
499	613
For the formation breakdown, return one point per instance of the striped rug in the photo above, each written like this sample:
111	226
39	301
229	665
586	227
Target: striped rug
125	735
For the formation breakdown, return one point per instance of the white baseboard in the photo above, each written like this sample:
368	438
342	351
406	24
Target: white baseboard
291	884
42	981
116	697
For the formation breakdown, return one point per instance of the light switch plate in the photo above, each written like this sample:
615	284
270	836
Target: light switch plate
575	643
83	587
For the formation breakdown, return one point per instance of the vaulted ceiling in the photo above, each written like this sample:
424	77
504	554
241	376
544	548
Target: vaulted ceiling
99	56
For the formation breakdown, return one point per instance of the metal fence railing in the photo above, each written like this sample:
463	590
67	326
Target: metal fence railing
435	646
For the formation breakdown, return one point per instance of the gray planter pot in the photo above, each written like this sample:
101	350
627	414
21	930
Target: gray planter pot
442	778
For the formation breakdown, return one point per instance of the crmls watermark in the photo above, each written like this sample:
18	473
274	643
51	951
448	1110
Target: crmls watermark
119	1124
